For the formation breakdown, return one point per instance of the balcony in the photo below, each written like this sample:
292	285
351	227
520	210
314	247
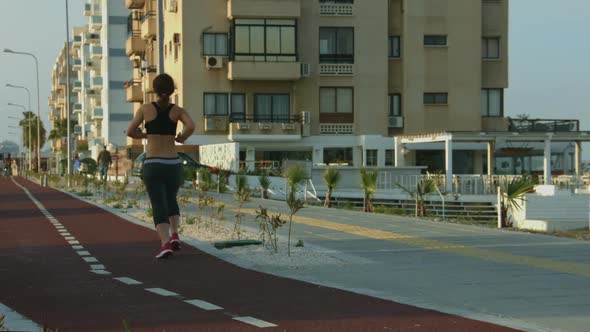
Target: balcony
77	42
95	22
336	9
256	129
77	64
134	4
134	92
77	108
149	26
92	38
96	51
134	46
96	114
264	71
336	69
150	76
77	130
87	9
96	82
263	8
77	86
55	114
217	123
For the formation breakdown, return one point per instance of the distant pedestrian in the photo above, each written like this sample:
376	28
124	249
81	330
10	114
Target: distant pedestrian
162	168
104	162
76	164
14	167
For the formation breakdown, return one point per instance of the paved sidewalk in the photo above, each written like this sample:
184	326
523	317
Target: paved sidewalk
70	265
541	282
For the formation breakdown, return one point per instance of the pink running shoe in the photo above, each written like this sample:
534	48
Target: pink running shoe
175	242
165	251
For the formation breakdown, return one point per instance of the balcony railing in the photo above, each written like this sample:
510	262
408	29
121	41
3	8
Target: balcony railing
336	69
265	71
96	22
148	26
96	51
92	37
263	8
134	46
336	9
265	118
77	108
282	128
543	125
97	82
97	114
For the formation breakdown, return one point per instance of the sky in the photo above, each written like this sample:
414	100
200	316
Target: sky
549	60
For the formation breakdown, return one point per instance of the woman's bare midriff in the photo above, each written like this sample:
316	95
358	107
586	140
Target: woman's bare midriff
162	146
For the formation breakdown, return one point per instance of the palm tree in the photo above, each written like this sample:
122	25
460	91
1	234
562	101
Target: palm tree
332	178
60	129
424	188
294	176
30	119
512	194
369	186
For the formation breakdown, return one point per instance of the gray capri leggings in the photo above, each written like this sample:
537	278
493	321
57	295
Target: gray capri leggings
162	182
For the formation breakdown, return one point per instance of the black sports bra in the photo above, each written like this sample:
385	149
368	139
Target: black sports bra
162	124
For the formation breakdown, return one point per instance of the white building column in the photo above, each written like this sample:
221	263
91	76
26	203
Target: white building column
578	159
491	150
547	162
318	155
250	158
399	159
449	165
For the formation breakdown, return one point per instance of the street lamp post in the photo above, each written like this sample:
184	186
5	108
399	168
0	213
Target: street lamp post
38	105
30	138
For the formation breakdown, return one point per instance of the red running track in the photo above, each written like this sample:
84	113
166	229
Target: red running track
46	280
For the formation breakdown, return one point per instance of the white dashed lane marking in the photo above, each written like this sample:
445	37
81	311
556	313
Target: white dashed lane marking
203	305
254	321
128	281
161	291
100	269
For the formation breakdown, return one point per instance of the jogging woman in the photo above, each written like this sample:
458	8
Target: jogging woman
162	168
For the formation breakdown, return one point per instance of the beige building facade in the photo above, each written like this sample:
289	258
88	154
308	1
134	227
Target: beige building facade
325	81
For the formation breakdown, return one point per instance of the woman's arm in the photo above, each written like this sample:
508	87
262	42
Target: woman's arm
188	126
133	130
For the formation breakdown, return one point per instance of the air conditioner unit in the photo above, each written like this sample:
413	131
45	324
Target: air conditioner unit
305	70
172	6
288	126
243	126
264	126
396	122
214	62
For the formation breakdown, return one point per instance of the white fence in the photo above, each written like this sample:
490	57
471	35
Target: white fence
563	211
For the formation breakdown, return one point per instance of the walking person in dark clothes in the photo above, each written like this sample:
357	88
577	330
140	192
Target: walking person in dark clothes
162	168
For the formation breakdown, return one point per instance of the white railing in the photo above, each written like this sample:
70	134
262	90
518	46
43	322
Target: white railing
342	9
336	129
336	69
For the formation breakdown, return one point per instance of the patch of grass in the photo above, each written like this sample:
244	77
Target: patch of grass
85	193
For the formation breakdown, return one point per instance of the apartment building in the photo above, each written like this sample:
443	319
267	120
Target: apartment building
102	70
330	81
57	102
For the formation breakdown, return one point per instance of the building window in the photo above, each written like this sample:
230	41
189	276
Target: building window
271	108
337	1
435	40
395	47
389	157
436	98
264	40
371	158
490	48
215	44
338	156
336	45
238	107
395	104
336	100
492	102
215	104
